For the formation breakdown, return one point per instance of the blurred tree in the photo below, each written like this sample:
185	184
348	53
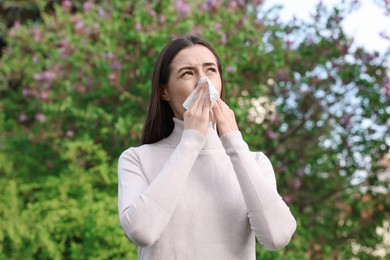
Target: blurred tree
73	94
12	11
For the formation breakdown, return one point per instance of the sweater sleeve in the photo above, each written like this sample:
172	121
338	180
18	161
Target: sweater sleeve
269	216
145	208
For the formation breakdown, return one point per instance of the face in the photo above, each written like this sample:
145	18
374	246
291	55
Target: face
188	66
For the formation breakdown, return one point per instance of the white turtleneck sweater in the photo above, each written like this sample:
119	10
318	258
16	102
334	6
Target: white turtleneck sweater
191	196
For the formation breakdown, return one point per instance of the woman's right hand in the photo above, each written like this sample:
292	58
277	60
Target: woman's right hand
197	117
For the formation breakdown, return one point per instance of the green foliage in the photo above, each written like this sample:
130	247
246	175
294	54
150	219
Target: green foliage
74	85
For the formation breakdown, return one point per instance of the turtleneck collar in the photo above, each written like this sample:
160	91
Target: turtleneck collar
212	138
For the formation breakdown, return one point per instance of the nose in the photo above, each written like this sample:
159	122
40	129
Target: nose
201	80
202	74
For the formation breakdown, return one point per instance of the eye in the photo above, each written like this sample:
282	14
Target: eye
187	73
211	69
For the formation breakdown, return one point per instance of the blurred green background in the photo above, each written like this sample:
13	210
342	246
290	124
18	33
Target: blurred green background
75	78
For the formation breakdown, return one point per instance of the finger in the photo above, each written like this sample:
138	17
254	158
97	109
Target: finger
201	96
224	107
206	98
222	104
217	111
212	116
197	98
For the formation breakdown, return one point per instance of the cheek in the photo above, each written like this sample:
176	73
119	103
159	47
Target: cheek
184	94
180	91
216	80
219	87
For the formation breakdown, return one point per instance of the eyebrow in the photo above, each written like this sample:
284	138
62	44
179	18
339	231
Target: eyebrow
206	64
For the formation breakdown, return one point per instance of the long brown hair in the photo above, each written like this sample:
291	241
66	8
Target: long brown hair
159	123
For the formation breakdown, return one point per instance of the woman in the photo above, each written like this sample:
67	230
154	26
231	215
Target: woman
192	192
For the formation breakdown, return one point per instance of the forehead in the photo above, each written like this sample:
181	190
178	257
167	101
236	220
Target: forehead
192	56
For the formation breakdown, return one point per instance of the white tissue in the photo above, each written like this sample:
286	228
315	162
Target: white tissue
213	93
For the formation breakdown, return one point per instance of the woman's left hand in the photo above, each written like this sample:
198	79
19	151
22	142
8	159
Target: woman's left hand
224	118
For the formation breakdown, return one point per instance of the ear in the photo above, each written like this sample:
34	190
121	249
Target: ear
164	93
